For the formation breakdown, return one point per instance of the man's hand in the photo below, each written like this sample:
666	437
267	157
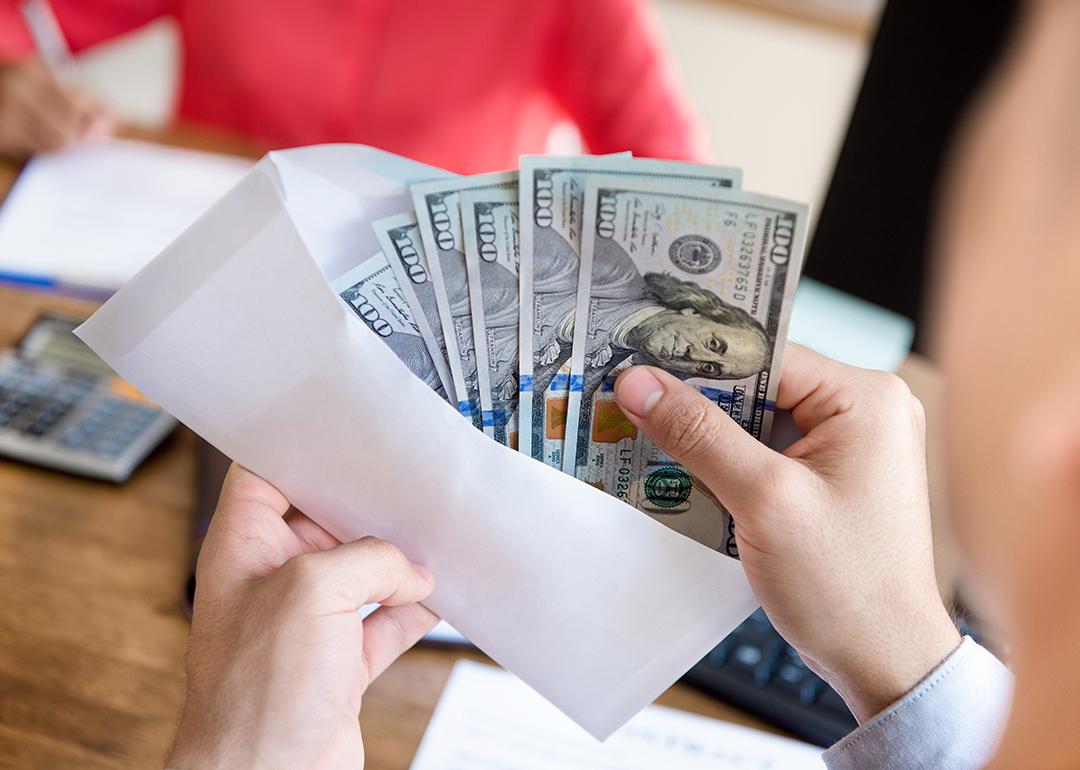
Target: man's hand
834	533
37	113
279	657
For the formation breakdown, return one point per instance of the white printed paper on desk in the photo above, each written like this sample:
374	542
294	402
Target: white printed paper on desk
234	330
486	720
91	216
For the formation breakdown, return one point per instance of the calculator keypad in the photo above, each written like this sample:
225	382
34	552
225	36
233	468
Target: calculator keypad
108	427
79	420
35	402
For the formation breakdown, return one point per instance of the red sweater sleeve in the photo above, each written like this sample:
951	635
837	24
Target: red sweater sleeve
608	70
84	22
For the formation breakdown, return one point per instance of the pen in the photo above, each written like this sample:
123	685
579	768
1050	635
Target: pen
49	40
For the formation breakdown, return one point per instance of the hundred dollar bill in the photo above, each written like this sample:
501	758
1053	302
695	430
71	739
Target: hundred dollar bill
550	194
489	221
438	215
373	293
399	237
700	283
552	199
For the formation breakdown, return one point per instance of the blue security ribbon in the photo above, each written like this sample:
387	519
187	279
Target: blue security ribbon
727	396
559	382
491	418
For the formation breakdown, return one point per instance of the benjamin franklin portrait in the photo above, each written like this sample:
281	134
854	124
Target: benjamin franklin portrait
661	320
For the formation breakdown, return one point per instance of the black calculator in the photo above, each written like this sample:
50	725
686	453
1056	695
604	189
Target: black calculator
63	408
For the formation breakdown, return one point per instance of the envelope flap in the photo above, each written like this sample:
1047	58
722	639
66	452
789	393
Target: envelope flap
334	191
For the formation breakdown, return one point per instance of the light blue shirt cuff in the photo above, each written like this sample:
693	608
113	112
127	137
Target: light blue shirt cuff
951	720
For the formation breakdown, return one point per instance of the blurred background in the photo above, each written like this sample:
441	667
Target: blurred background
773	79
97	575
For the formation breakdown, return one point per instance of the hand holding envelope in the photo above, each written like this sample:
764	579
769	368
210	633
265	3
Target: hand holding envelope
235	330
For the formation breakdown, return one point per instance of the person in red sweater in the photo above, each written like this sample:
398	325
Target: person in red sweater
461	84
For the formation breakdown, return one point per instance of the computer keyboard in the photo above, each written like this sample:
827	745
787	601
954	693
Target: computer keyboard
756	670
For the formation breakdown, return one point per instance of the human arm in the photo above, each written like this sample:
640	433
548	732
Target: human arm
608	69
38	112
279	658
951	720
834	533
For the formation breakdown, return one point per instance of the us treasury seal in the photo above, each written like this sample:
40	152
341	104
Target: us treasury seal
695	254
668	487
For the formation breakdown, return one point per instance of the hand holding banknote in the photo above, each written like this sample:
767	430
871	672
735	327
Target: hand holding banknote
818	526
279	657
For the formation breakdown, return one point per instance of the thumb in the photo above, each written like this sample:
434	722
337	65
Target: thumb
697	434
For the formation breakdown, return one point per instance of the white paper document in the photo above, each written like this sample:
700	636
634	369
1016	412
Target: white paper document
235	331
487	720
91	216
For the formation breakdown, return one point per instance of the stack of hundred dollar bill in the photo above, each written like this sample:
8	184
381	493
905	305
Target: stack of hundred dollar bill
519	297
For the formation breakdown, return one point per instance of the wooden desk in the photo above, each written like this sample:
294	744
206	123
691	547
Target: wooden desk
92	634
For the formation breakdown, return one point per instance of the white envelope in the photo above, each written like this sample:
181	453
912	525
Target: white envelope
234	329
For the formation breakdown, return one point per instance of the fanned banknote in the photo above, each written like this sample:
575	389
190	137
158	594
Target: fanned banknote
551	196
552	199
372	292
699	282
438	215
399	237
489	221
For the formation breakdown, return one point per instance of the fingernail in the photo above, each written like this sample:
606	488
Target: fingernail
638	390
425	573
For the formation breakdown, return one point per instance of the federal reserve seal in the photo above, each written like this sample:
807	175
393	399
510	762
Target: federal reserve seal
695	254
668	487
